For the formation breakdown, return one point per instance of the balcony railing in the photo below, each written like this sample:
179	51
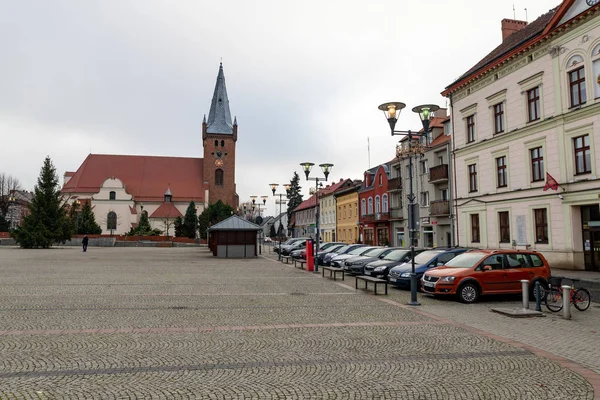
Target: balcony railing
375	217
394	184
439	207
438	174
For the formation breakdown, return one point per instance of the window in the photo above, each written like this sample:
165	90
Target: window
222	143
533	104
111	221
112	196
499	118
377	205
541	225
504	223
537	164
501	171
440	160
216	143
424	199
470	128
583	162
344	211
380	180
385	205
424	167
473	178
370	206
219	177
577	87
475	228
444	194
363	207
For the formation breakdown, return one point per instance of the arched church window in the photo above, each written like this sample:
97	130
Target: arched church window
216	143
219	177
222	143
111	221
112	195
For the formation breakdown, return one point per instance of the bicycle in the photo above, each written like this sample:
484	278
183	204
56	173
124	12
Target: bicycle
579	297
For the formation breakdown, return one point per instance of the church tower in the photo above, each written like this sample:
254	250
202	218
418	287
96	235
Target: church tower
219	136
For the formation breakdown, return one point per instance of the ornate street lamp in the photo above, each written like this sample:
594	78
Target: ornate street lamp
287	187
326	168
392	112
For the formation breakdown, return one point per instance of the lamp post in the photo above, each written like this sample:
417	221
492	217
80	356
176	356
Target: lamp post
12	200
258	221
281	201
139	227
326	168
392	112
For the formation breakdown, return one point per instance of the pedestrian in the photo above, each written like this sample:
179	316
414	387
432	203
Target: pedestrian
84	242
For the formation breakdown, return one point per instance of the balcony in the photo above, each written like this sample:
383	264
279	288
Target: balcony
377	217
394	184
439	207
438	174
396	213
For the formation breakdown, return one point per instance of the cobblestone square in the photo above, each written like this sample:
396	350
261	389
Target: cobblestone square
176	323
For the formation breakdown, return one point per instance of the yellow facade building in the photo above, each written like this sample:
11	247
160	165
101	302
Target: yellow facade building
347	213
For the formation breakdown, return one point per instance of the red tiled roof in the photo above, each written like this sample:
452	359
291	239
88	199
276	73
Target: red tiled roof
312	202
132	210
513	41
146	178
442	139
309	203
166	210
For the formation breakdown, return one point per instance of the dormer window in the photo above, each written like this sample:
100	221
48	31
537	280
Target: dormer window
112	195
168	196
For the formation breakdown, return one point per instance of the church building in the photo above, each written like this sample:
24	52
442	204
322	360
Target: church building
122	187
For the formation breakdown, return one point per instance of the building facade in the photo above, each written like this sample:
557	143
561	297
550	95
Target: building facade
526	137
374	207
347	220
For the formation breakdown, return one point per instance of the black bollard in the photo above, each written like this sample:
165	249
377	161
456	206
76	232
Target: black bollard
538	296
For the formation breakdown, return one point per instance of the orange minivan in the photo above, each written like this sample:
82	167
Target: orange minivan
482	272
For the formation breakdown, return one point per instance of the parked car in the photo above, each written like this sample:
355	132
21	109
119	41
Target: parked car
301	253
342	250
322	253
356	265
482	272
286	243
380	268
297	245
338	261
400	275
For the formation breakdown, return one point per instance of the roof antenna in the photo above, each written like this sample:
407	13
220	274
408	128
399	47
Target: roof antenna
369	150
526	18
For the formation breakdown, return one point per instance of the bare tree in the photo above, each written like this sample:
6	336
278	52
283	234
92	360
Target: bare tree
8	184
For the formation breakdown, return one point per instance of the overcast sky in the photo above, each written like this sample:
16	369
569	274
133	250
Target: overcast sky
304	78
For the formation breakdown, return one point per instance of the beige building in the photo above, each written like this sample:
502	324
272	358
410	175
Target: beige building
526	139
346	201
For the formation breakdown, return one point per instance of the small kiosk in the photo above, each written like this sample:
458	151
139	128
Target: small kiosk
234	238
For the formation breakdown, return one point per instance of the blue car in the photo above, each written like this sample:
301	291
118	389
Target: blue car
400	275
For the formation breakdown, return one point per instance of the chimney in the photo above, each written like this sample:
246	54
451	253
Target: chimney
510	26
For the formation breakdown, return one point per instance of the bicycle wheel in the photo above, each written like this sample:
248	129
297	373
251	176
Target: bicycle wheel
553	300
581	299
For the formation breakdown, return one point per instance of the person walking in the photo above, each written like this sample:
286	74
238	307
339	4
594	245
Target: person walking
84	242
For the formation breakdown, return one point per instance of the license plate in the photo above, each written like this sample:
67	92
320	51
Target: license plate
393	279
367	272
429	284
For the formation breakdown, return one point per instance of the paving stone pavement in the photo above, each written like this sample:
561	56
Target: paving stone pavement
176	323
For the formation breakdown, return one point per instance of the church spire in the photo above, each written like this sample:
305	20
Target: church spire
219	117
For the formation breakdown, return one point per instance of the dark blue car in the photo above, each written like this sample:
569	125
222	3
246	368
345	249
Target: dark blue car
400	275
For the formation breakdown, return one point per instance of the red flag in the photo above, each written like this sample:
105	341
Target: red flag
550	183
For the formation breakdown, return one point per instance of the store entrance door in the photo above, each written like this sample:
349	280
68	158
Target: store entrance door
590	216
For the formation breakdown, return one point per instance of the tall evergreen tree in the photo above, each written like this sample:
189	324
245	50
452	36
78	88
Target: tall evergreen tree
47	223
179	231
272	232
190	221
4	226
85	221
294	196
213	214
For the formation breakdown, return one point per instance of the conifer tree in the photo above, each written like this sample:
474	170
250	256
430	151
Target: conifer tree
179	231
85	221
272	232
294	196
4	226
47	223
212	215
190	221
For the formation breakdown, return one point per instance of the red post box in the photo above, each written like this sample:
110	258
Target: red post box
310	255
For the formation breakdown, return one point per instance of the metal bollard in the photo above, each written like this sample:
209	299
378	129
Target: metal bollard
538	296
525	288
566	293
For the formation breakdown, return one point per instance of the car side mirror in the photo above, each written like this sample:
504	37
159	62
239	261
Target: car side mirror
486	268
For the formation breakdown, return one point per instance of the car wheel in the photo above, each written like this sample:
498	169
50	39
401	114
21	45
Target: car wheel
468	293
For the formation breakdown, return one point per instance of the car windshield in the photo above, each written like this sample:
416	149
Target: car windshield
357	251
466	260
426	256
376	252
333	248
396	255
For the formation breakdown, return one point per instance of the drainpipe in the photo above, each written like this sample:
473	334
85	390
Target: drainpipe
453	194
